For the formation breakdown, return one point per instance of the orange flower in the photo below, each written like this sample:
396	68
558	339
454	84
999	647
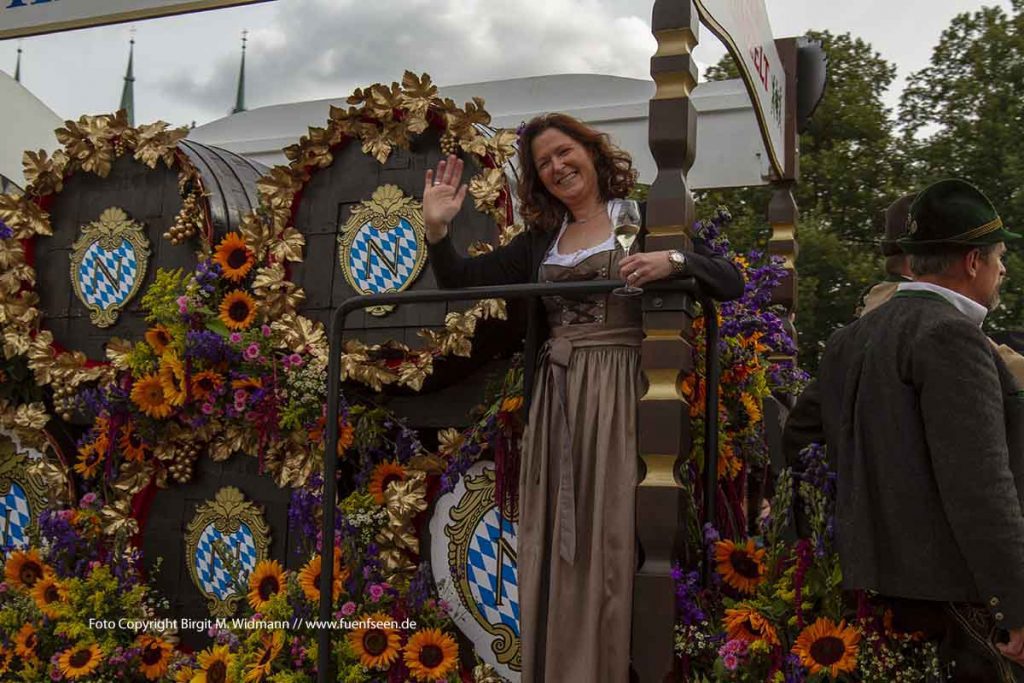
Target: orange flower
266	581
80	661
158	337
237	310
25	642
205	384
172	379
346	435
156	656
49	594
234	257
383	475
132	444
90	457
729	466
309	577
746	623
741	567
824	646
378	647
24	568
431	655
512	404
148	395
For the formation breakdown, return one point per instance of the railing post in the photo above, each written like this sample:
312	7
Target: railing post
666	353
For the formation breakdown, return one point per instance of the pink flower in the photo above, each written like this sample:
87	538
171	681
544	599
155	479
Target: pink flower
376	592
235	338
348	609
265	330
241	396
208	409
252	352
731	661
88	499
182	304
296	360
3	586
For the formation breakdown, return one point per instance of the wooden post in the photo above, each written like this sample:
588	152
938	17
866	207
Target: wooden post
666	353
783	216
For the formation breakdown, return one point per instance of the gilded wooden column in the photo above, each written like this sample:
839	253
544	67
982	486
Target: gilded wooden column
783	216
666	354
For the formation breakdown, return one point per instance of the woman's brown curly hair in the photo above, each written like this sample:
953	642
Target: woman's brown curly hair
615	173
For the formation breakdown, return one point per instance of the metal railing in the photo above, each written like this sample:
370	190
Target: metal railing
518	291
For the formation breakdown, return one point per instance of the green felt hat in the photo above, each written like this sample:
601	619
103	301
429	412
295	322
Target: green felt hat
952	212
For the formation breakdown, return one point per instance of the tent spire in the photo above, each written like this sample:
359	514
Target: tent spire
240	95
128	92
17	66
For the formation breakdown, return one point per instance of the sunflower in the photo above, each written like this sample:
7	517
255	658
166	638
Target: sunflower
132	445
265	656
265	581
383	475
346	434
5	659
79	661
824	646
158	337
214	663
24	568
729	466
148	395
247	383
234	257
48	594
25	642
750	404
237	310
205	384
512	404
431	655
377	647
746	623
172	379
89	459
155	658
741	566
309	577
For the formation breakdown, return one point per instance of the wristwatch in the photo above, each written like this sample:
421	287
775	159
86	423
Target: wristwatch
678	261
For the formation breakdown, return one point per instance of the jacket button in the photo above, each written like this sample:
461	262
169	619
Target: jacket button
999	616
994	602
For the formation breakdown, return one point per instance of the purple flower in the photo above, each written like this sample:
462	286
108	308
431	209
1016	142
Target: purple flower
208	409
711	534
5	231
265	330
208	346
252	352
376	592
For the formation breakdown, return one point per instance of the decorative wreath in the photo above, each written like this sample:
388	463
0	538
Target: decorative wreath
90	145
384	118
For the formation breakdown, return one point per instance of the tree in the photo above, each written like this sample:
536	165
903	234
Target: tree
850	170
963	116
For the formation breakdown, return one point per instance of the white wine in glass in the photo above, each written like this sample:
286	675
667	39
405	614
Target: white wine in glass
626	223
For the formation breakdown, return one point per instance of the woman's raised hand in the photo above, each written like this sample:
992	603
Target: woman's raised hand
442	196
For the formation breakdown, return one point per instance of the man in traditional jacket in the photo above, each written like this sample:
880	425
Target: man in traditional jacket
924	426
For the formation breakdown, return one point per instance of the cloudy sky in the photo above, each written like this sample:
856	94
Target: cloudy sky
186	67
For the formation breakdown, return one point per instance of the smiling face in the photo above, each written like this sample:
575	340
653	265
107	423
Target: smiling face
565	167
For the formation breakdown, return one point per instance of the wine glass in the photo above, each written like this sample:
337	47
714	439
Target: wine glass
626	224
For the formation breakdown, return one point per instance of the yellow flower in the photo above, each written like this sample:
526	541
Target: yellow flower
265	657
741	567
745	623
24	568
431	655
752	406
237	310
309	577
729	466
156	656
378	647
25	642
214	663
512	404
159	338
131	443
383	475
824	646
234	257
148	395
266	581
49	594
172	379
80	661
89	459
205	384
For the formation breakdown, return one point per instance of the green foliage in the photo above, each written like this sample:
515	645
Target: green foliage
963	116
161	299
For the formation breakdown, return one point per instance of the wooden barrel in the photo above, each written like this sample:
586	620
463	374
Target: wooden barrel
148	199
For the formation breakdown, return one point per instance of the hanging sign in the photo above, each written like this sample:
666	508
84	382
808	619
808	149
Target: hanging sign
743	26
20	18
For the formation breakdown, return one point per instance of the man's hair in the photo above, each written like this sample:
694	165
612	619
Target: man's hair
937	262
894	263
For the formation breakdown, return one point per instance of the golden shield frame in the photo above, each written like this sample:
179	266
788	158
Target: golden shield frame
42	481
384	213
226	514
109	232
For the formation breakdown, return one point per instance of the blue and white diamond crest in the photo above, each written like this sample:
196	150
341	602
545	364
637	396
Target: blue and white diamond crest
107	278
473	560
491	570
215	576
15	517
383	261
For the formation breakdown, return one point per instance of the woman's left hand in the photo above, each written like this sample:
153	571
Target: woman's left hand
639	269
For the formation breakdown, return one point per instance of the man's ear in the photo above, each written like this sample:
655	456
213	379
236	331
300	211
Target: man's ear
972	260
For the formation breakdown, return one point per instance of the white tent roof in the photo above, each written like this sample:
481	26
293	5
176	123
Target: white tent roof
729	147
27	124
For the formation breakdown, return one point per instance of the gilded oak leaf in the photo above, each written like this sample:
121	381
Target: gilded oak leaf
418	86
44	176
